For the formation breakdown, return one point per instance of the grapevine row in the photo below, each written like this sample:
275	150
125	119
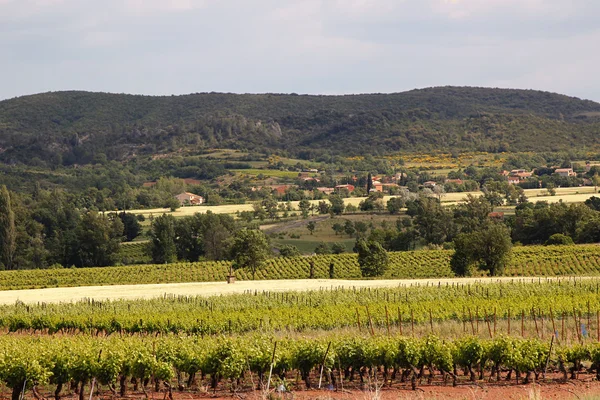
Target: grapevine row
527	261
243	363
519	301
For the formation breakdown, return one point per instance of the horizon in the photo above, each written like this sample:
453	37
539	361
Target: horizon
320	47
294	93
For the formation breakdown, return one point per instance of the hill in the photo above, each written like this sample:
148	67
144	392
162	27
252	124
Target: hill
65	128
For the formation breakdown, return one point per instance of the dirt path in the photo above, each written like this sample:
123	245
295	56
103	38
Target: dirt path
68	294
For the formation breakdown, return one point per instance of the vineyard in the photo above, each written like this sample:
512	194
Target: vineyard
166	364
134	253
533	307
527	261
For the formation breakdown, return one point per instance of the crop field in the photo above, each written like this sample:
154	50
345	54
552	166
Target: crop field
511	332
567	195
445	308
576	260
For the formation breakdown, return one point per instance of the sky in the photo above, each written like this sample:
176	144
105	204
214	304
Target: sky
164	47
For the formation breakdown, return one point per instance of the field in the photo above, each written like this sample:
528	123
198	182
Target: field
364	340
567	195
527	261
339	339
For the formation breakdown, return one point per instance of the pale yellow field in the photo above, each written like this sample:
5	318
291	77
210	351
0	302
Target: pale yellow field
567	195
70	294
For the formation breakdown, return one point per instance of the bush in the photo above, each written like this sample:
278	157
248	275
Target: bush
559	239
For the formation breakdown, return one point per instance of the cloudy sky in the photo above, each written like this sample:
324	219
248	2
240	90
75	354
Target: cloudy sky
302	46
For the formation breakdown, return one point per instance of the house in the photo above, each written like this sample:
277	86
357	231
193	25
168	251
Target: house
514	180
566	172
310	179
496	215
187	198
189	181
429	184
326	190
376	186
349	188
455	181
280	189
521	174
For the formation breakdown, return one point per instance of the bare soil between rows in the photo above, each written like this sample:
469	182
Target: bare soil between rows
553	387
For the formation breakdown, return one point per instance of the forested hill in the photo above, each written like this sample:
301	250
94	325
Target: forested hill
73	127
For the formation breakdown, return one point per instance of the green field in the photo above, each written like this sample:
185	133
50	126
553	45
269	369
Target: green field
267	172
527	261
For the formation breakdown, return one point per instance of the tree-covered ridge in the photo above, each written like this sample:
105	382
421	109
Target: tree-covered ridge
64	128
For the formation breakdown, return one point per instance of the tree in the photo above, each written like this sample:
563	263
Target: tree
288	250
337	204
395	204
98	240
270	206
322	248
337	228
131	226
250	249
324	207
162	240
304	206
369	183
360	227
311	226
489	249
559	239
338	248
372	258
349	228
8	231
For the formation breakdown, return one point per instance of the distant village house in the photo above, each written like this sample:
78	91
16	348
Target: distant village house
566	172
189	199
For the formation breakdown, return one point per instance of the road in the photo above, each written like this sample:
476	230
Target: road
69	294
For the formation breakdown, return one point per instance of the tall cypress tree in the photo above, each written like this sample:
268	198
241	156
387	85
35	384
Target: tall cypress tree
7	229
369	183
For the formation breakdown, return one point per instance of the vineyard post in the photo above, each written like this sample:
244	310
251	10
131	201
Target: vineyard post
494	321
541	314
537	331
387	320
477	318
487	321
562	322
358	319
370	322
508	322
400	320
576	325
589	325
580	330
412	322
553	325
271	368
548	357
471	319
323	364
430	321
523	323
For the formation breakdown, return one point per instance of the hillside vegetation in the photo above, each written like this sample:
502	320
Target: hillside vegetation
65	128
